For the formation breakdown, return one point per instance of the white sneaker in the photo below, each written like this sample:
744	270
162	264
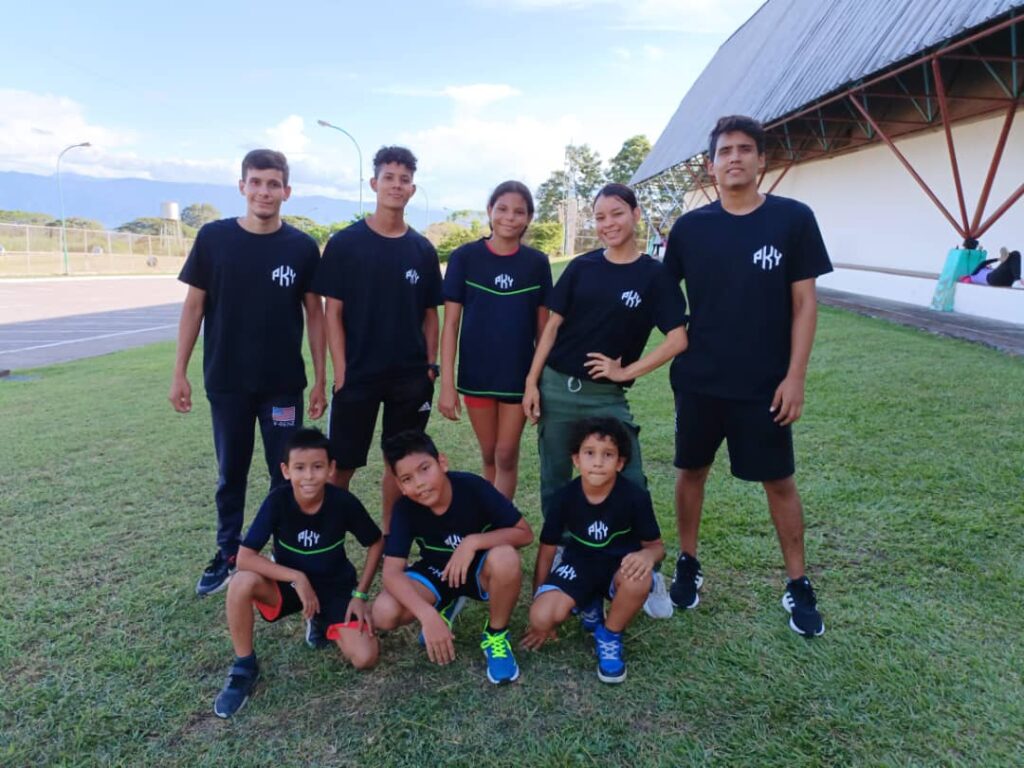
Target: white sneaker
658	604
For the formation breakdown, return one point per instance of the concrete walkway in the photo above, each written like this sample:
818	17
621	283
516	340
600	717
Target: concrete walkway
1006	337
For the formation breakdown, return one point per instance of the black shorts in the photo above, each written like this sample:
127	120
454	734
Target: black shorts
759	449
583	576
333	605
430	576
407	404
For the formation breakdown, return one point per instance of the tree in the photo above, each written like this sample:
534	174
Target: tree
550	196
146	225
25	217
458	235
198	214
584	170
77	222
624	164
546	236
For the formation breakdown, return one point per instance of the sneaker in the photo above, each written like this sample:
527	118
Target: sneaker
217	575
802	606
611	668
316	637
658	604
687	581
592	614
236	691
448	613
501	664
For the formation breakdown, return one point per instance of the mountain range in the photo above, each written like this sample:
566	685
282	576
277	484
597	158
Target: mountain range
117	201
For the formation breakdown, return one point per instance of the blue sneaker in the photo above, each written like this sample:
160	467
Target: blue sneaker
801	604
216	575
236	691
316	634
501	664
448	613
592	614
611	668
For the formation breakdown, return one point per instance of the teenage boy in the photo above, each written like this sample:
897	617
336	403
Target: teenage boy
614	546
749	261
468	534
310	573
249	280
382	281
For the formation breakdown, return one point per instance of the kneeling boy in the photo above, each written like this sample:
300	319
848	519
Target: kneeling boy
310	572
613	545
468	534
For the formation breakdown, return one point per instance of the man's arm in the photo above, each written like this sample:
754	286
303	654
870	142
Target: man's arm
336	340
531	396
188	331
601	366
639	565
251	560
457	569
316	332
437	636
788	403
448	402
542	567
357	605
430	333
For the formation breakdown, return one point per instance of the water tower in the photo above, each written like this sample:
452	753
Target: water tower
170	220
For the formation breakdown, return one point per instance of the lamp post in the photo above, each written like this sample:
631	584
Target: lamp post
60	193
359	152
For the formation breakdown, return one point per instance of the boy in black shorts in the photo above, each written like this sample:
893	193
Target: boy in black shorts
468	534
749	261
249	281
382	281
310	573
614	546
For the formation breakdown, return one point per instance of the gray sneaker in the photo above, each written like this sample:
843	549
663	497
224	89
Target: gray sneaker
658	604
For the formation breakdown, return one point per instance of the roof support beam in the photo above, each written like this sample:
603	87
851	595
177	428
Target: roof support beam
997	156
779	177
910	169
940	91
1000	211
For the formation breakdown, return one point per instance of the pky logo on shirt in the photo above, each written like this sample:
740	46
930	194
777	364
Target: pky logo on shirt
308	538
412	276
453	540
283	275
767	257
503	281
631	299
598	531
567	572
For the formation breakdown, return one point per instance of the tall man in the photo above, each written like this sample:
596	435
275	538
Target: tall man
382	281
749	261
250	280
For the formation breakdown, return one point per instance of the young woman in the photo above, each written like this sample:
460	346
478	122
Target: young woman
591	350
494	289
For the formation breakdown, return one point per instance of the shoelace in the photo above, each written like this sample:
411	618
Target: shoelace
608	650
498	644
591	614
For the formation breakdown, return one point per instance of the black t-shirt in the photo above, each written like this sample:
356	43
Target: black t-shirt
611	308
476	507
613	528
500	296
252	323
738	272
386	285
313	544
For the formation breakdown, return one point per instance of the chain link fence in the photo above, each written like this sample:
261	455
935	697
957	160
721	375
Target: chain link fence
29	250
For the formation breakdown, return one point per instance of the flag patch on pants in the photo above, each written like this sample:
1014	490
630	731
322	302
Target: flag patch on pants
283	417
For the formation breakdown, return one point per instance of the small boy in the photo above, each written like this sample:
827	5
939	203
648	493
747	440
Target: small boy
613	546
468	534
310	572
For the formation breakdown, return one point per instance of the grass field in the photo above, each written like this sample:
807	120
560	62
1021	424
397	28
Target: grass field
913	492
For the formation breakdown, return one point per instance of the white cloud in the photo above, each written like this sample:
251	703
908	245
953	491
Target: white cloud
653	53
289	136
479	94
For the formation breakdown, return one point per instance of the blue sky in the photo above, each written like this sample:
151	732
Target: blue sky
481	90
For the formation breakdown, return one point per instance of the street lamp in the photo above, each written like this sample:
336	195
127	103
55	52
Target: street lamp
359	152
60	192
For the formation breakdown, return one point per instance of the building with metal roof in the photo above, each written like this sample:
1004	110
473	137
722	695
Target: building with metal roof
893	119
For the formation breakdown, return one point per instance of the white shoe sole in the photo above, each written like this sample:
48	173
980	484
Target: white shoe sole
609	678
503	682
223	585
228	717
792	624
696	596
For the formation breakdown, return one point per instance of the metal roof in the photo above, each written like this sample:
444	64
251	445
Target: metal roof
791	53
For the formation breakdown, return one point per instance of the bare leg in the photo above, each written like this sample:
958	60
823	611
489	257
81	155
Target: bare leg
511	420
629	599
245	587
342	477
389	614
788	516
389	494
360	648
550	610
485	426
501	577
689	504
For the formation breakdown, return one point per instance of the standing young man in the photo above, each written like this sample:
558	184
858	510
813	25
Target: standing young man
382	281
250	280
749	261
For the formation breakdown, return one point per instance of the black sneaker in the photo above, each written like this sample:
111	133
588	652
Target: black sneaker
802	607
687	581
316	635
236	691
217	574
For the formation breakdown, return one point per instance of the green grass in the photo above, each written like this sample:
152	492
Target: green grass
914	510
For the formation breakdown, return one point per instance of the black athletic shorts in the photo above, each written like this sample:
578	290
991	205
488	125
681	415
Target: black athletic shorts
333	605
583	576
759	449
407	404
430	577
